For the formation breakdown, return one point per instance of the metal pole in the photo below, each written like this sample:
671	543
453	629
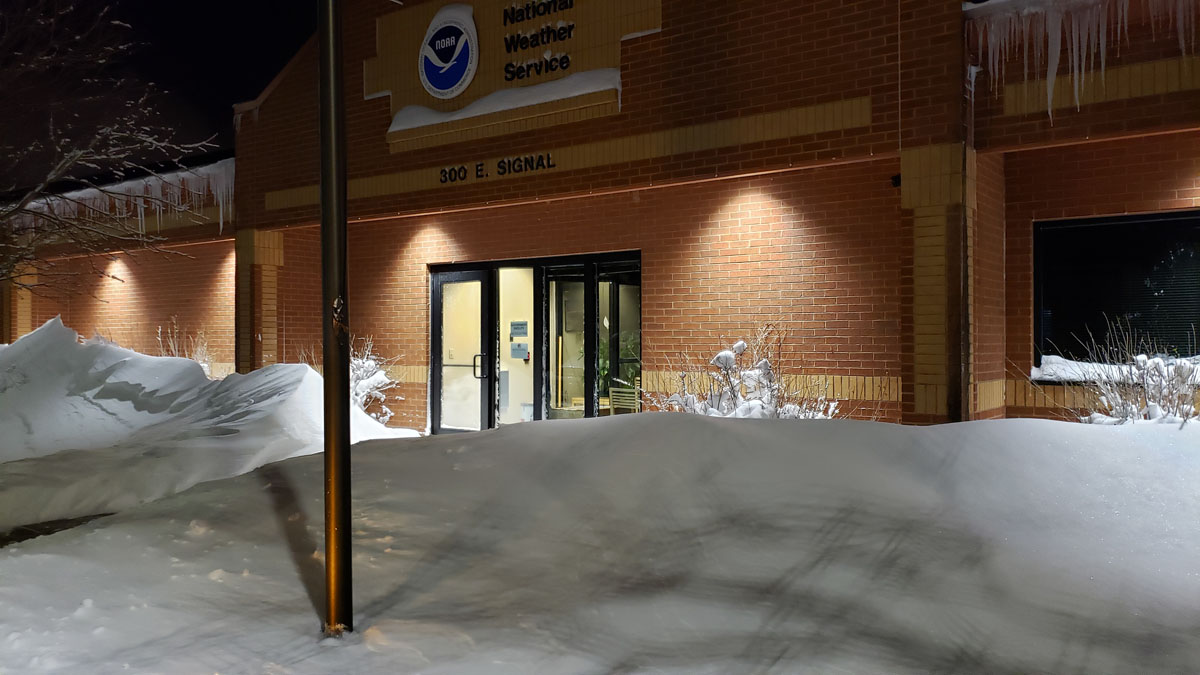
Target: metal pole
338	601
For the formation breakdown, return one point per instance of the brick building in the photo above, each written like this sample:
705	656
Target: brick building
549	201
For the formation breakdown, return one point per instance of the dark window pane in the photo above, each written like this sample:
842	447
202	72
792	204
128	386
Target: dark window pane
1141	271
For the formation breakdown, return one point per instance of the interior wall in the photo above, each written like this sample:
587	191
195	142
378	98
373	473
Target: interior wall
516	304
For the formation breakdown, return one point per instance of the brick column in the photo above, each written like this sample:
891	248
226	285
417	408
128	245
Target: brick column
988	294
17	305
934	159
6	312
932	195
259	257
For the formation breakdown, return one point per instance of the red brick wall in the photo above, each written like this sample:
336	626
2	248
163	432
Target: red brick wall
713	59
820	249
144	290
719	59
1155	173
929	46
299	309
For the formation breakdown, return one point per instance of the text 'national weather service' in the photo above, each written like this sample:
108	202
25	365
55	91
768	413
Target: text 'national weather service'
545	38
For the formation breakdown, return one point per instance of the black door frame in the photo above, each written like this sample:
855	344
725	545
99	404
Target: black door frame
489	273
486	411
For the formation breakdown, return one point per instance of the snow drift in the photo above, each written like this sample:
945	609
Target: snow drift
90	427
656	543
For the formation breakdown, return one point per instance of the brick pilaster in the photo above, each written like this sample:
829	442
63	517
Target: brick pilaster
6	312
259	257
20	303
934	196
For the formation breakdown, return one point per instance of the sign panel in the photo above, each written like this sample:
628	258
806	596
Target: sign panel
494	67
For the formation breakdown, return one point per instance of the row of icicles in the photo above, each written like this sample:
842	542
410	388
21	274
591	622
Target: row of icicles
1035	30
153	196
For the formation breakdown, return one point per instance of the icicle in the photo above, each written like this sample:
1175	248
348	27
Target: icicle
1040	26
189	189
1053	49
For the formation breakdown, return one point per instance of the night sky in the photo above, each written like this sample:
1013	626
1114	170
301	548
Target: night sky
210	55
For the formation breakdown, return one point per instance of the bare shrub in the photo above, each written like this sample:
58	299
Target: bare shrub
370	382
178	342
742	382
1132	378
85	154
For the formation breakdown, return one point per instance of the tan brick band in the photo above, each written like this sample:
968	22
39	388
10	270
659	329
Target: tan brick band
409	374
989	395
832	387
772	126
1120	83
1026	394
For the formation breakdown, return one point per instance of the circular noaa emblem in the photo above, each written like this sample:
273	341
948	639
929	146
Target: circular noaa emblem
449	54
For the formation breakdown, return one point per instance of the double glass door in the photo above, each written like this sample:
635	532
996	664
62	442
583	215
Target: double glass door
530	340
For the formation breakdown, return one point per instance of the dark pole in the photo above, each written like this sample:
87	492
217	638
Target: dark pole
338	602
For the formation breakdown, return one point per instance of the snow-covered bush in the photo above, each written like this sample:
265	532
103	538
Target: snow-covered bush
741	382
369	379
178	342
1130	378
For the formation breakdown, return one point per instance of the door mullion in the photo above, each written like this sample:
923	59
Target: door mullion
541	342
435	353
491	342
591	302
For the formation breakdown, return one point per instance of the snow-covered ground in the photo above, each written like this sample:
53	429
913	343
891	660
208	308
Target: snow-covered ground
90	427
654	543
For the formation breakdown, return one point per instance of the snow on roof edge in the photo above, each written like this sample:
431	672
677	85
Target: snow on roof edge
179	190
576	84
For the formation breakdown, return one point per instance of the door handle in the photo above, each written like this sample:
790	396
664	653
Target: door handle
476	366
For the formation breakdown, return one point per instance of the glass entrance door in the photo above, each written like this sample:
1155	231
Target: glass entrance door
463	360
619	339
548	338
567	292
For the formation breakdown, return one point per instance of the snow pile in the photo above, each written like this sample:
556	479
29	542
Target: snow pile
576	84
651	544
183	190
754	392
1037	28
1059	369
90	427
1156	389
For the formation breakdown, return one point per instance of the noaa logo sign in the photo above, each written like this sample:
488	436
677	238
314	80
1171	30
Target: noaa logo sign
450	52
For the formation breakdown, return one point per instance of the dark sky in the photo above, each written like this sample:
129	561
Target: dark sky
211	54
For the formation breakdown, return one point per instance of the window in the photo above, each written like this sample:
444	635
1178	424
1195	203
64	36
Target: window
1143	271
